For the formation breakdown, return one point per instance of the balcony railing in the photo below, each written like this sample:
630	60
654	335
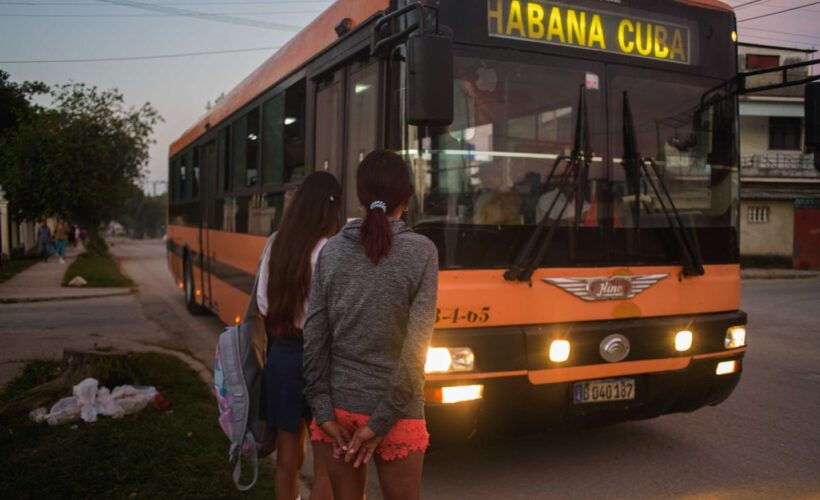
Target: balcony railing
777	161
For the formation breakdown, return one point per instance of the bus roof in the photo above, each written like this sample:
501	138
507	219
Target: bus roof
315	37
709	4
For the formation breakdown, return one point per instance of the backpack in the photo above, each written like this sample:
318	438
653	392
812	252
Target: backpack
238	364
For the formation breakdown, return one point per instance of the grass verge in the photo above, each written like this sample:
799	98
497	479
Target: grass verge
15	266
152	454
98	271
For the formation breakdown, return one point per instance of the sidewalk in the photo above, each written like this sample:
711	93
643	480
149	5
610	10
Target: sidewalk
777	274
43	282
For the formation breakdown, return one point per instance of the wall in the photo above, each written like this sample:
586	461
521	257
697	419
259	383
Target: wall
770	239
754	134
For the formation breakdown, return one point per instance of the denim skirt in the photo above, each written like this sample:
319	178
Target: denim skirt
283	403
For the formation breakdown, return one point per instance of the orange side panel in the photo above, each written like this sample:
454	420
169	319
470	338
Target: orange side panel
515	303
241	251
314	38
184	236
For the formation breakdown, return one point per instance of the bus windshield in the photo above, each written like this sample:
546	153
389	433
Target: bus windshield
482	183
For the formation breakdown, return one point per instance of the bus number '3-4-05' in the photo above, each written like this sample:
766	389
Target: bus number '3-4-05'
460	315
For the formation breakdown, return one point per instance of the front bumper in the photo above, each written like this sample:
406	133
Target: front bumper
526	393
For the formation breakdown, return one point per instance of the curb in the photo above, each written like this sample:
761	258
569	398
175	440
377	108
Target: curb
29	300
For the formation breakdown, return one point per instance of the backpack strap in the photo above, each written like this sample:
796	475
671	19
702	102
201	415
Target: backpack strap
252	309
254	458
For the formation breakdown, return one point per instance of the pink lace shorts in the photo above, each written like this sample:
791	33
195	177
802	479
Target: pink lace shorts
409	434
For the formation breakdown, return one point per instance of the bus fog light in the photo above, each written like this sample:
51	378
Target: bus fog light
726	367
683	340
461	393
559	351
449	359
735	337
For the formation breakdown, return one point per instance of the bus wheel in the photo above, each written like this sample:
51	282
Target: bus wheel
190	297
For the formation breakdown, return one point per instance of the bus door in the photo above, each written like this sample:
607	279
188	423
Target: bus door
347	103
209	180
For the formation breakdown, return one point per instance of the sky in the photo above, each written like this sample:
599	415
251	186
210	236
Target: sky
180	87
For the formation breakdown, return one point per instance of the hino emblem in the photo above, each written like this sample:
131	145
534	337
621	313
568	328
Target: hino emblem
619	287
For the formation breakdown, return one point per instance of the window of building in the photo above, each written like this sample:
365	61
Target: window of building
758	215
784	133
760	61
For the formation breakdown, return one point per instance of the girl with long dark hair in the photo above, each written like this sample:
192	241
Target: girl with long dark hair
369	325
282	295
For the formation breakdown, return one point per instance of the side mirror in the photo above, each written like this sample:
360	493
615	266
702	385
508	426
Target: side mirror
812	115
429	80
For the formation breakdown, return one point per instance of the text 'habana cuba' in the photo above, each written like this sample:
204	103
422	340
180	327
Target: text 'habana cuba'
552	23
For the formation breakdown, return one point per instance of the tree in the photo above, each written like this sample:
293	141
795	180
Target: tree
79	157
14	101
144	215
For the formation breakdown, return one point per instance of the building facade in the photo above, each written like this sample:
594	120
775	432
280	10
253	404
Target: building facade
780	193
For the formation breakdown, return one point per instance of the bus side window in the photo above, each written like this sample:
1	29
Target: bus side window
195	174
294	133
329	124
283	136
273	116
183	178
362	114
173	178
245	155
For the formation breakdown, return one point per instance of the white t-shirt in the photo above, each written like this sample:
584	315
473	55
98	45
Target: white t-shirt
264	270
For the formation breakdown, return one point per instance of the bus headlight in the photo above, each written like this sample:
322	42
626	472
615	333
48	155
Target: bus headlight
454	394
559	351
449	359
726	367
735	337
683	340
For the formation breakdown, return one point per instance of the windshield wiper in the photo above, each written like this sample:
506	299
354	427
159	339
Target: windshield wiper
636	168
575	172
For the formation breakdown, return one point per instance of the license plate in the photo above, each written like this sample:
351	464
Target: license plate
599	391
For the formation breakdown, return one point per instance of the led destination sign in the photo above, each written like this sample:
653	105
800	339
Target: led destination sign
559	24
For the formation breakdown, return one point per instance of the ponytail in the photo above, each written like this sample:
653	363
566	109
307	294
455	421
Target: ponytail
383	185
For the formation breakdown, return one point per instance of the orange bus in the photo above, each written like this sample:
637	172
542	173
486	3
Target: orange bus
574	164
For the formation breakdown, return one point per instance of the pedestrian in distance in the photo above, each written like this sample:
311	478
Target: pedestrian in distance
61	239
44	240
282	297
369	325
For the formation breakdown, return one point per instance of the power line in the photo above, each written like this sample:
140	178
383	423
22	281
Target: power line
778	12
269	3
781	32
164	15
204	15
747	4
142	58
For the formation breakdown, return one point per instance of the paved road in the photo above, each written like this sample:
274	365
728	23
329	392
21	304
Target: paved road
764	442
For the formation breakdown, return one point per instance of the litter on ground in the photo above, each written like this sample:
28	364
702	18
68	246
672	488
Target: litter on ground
90	401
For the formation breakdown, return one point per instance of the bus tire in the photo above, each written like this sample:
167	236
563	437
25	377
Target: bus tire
190	294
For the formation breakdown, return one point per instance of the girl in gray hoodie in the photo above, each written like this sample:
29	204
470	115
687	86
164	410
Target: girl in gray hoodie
371	315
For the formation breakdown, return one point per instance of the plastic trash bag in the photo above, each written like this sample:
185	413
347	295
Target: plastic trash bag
64	411
133	399
86	393
106	405
38	414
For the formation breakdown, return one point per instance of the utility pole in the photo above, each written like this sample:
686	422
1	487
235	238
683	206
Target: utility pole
3	223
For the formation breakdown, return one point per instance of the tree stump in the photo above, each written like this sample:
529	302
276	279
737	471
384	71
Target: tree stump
111	368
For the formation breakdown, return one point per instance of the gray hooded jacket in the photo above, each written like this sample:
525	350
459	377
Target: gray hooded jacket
369	326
